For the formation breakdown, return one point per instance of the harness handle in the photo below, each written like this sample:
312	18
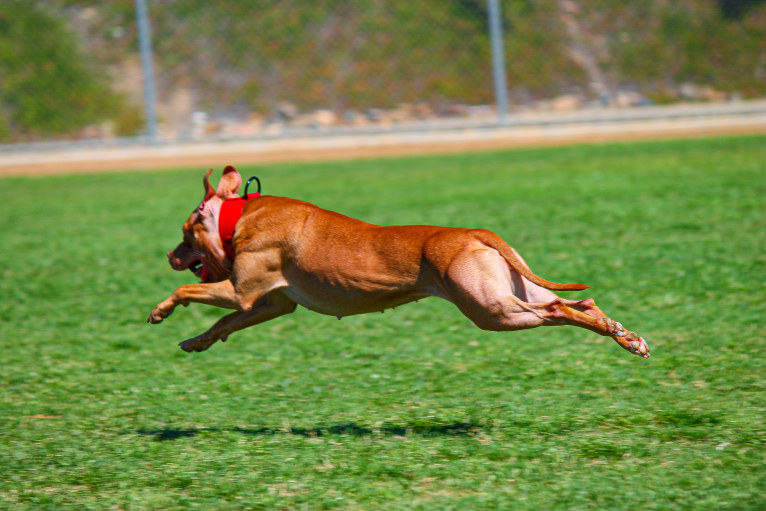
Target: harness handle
248	184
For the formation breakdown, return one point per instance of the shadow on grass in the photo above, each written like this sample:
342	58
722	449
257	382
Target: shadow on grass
348	428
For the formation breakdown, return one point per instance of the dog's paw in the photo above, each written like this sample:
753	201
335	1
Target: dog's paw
160	312
625	338
633	343
155	317
639	347
199	343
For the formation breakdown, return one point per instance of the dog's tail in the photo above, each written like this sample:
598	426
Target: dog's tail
517	263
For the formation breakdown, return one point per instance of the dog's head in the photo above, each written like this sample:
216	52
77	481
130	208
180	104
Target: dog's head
201	250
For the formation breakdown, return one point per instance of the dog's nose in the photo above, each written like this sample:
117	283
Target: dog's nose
172	260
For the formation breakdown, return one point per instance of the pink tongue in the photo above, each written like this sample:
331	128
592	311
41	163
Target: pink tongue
203	274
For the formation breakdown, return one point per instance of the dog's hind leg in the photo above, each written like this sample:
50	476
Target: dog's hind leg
271	306
622	336
591	317
496	298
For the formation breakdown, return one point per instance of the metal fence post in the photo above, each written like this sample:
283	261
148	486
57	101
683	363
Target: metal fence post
147	68
498	59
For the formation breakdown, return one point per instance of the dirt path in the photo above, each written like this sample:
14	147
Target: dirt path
351	146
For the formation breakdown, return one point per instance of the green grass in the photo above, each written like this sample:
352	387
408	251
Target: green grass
411	409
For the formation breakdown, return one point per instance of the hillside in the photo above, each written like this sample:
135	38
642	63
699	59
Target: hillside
47	85
236	57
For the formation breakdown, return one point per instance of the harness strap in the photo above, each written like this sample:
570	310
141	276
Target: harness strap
231	212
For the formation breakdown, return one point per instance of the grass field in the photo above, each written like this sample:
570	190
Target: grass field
415	408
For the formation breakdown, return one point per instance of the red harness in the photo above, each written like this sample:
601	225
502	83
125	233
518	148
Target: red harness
231	212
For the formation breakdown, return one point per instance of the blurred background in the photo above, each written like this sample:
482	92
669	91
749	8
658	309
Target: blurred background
73	69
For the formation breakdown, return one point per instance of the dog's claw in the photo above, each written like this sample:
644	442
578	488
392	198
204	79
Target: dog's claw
154	318
634	344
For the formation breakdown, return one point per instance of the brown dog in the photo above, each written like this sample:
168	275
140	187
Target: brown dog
287	252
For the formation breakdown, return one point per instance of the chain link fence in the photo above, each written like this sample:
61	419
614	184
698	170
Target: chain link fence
72	69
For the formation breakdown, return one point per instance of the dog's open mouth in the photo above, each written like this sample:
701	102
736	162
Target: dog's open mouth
199	268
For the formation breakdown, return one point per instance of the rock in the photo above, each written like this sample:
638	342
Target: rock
694	92
92	131
708	93
422	111
274	128
453	110
252	125
316	119
374	114
325	117
255	117
481	111
213	127
624	99
351	115
354	118
688	91
565	103
401	113
284	111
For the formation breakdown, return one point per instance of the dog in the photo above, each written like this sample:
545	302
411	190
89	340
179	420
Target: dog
279	252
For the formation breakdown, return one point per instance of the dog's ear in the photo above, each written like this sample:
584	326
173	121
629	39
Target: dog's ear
209	190
230	182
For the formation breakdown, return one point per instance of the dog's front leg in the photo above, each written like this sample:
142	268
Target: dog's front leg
269	307
220	294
